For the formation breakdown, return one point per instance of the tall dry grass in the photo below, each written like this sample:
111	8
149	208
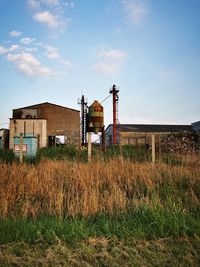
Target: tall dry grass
68	189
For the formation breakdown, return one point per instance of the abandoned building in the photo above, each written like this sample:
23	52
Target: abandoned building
50	123
196	126
4	138
136	134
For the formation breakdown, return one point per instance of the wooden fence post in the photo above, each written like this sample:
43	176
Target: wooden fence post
89	147
21	147
153	150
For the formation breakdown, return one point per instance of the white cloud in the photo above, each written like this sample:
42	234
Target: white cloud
4	50
27	40
51	2
14	48
27	64
69	4
30	49
111	54
110	61
34	3
15	33
38	44
47	18
52	52
51	13
136	10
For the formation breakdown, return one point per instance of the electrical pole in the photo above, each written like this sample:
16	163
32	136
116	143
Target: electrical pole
83	104
115	92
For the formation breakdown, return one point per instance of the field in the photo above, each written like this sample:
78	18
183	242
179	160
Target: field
115	211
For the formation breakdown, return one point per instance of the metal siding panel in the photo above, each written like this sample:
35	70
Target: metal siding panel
31	143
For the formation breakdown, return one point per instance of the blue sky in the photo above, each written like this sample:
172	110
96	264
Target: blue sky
55	50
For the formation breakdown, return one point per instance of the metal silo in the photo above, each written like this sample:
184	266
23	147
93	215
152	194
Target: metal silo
95	118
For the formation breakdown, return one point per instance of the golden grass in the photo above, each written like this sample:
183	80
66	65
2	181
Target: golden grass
62	188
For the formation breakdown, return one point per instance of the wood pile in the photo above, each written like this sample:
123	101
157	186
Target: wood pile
182	143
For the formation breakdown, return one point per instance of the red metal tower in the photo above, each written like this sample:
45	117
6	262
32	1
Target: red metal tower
115	92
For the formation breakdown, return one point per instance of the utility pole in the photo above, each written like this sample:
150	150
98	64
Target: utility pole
115	92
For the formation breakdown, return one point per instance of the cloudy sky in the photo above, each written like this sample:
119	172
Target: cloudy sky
56	50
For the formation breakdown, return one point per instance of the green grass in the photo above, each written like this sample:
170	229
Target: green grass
68	152
138	153
72	153
141	223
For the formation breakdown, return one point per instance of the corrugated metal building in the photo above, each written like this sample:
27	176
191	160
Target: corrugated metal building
134	134
48	121
196	126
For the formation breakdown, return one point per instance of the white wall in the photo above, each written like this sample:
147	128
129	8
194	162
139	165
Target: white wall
32	127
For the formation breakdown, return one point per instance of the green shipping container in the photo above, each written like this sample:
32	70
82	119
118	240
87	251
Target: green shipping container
30	145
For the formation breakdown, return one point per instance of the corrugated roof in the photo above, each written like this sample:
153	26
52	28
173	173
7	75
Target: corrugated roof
45	103
152	128
196	123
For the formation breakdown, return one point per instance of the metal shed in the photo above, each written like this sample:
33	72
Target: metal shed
134	134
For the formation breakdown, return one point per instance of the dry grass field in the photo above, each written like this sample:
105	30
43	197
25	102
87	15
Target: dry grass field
64	188
111	212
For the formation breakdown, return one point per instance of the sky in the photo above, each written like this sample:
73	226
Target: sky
56	50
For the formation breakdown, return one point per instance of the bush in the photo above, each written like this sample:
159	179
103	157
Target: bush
138	153
6	156
68	152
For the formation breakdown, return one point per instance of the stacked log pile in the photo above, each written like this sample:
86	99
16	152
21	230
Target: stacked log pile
182	143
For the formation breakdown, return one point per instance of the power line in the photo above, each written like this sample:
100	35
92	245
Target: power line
105	99
97	140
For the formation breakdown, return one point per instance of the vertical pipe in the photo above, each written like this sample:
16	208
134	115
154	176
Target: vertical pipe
38	141
33	129
24	128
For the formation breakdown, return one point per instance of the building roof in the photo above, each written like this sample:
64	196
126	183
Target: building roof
45	103
4	129
152	128
196	123
28	119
